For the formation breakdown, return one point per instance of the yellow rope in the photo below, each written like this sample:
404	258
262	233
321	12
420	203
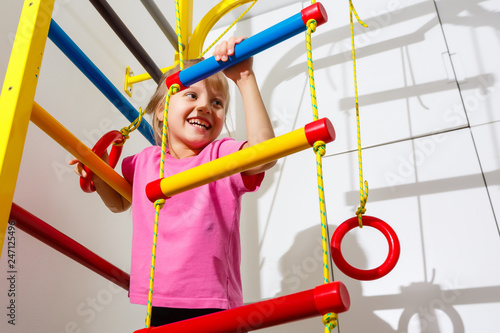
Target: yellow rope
158	206
330	319
311	27
228	28
363	190
130	128
159	203
179	34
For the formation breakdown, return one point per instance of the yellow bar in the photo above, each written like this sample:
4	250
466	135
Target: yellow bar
68	141
130	80
18	93
207	22
239	161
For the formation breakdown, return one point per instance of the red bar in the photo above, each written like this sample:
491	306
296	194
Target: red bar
331	297
47	234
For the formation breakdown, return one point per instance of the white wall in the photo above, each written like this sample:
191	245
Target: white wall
428	86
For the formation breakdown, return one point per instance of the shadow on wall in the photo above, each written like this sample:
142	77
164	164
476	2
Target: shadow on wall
302	268
421	306
427	187
249	229
288	68
426	307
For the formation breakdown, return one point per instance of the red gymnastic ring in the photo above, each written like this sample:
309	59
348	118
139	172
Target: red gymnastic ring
113	137
371	274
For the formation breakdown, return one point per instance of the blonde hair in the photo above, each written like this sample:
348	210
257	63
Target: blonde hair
157	102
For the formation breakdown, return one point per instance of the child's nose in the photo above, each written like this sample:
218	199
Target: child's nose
203	105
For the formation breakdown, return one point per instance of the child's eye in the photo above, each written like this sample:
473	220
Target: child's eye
191	95
217	102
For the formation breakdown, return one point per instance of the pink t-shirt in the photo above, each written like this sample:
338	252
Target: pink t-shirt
198	247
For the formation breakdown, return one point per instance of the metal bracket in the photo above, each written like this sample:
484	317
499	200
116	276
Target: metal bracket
128	84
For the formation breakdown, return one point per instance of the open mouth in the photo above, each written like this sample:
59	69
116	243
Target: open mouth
200	123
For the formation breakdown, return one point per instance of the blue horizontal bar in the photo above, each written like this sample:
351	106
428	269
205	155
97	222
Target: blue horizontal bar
244	50
87	67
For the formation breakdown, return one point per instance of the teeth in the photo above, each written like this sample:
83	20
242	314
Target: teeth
198	123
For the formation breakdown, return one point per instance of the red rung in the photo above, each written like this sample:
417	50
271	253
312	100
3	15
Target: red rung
47	234
331	297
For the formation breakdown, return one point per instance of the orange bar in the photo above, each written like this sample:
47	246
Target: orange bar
68	141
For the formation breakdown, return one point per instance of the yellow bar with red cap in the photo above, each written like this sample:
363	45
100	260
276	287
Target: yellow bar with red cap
262	153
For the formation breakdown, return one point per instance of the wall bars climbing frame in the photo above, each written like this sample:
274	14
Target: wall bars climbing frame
18	91
17	98
17	107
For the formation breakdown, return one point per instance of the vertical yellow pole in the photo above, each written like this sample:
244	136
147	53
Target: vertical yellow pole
18	93
186	10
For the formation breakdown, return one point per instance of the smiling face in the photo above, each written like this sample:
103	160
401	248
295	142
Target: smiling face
196	117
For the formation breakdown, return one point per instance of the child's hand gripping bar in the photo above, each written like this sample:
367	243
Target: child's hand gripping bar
251	46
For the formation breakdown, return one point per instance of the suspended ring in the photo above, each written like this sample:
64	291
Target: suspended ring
114	138
370	274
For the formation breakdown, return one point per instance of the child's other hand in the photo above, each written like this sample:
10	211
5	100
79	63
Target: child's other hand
224	50
79	170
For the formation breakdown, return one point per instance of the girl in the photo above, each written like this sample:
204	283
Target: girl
198	247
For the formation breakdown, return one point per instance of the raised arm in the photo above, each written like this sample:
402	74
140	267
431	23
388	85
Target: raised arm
258	124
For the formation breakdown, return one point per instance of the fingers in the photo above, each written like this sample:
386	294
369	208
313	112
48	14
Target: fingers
232	42
239	39
225	49
79	169
230	45
220	51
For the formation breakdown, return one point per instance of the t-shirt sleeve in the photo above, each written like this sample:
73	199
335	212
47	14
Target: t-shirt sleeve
128	167
252	183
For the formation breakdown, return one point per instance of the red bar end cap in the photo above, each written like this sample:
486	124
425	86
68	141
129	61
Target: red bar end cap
314	12
320	130
332	297
153	191
174	79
